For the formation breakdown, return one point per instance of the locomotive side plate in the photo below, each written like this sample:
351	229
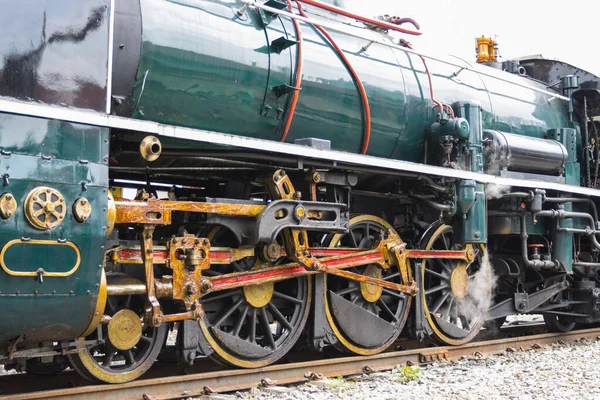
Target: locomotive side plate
22	253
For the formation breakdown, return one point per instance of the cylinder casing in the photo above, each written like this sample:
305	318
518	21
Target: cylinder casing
524	154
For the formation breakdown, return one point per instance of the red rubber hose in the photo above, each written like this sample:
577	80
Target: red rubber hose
359	84
366	20
298	83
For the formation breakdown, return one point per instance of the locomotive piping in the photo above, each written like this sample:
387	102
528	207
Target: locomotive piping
586	139
436	103
533	264
366	20
357	81
432	204
299	68
391	45
574	200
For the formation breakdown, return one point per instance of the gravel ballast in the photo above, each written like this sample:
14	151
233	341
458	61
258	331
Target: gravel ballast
560	371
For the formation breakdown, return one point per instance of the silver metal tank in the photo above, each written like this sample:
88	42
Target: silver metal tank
504	150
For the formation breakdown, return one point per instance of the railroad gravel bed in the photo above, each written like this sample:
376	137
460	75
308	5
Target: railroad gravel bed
560	371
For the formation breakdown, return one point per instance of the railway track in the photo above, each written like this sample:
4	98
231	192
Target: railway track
169	382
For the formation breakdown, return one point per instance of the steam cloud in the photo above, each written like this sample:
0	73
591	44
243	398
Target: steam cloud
493	191
480	292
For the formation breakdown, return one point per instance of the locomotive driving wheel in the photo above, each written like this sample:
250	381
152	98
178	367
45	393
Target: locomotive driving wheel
365	318
256	325
455	294
558	323
127	348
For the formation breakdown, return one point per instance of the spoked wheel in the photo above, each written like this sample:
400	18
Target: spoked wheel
558	323
128	348
256	325
455	294
365	318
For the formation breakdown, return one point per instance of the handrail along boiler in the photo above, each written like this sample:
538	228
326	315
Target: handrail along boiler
302	179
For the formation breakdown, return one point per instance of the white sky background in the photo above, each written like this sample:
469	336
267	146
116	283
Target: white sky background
523	28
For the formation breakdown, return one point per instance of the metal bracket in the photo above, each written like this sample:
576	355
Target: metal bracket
188	256
297	214
282	43
528	302
156	317
321	333
521	302
283	89
191	342
266	16
422	328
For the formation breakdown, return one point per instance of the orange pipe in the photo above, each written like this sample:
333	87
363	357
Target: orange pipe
359	84
371	21
436	103
298	83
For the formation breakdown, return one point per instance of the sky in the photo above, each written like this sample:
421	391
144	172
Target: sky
522	28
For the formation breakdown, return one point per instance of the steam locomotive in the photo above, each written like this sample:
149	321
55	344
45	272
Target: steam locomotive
299	178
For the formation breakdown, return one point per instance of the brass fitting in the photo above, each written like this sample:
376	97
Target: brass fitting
8	205
82	209
150	148
206	286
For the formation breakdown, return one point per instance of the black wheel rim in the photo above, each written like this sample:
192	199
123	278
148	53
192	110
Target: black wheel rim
454	318
381	318
113	360
247	336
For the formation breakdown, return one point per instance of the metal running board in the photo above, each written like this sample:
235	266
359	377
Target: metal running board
13	106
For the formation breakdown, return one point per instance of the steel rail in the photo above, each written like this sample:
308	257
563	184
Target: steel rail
174	387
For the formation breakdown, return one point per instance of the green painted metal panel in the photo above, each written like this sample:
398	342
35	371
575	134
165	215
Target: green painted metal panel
58	307
512	226
52	138
203	67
